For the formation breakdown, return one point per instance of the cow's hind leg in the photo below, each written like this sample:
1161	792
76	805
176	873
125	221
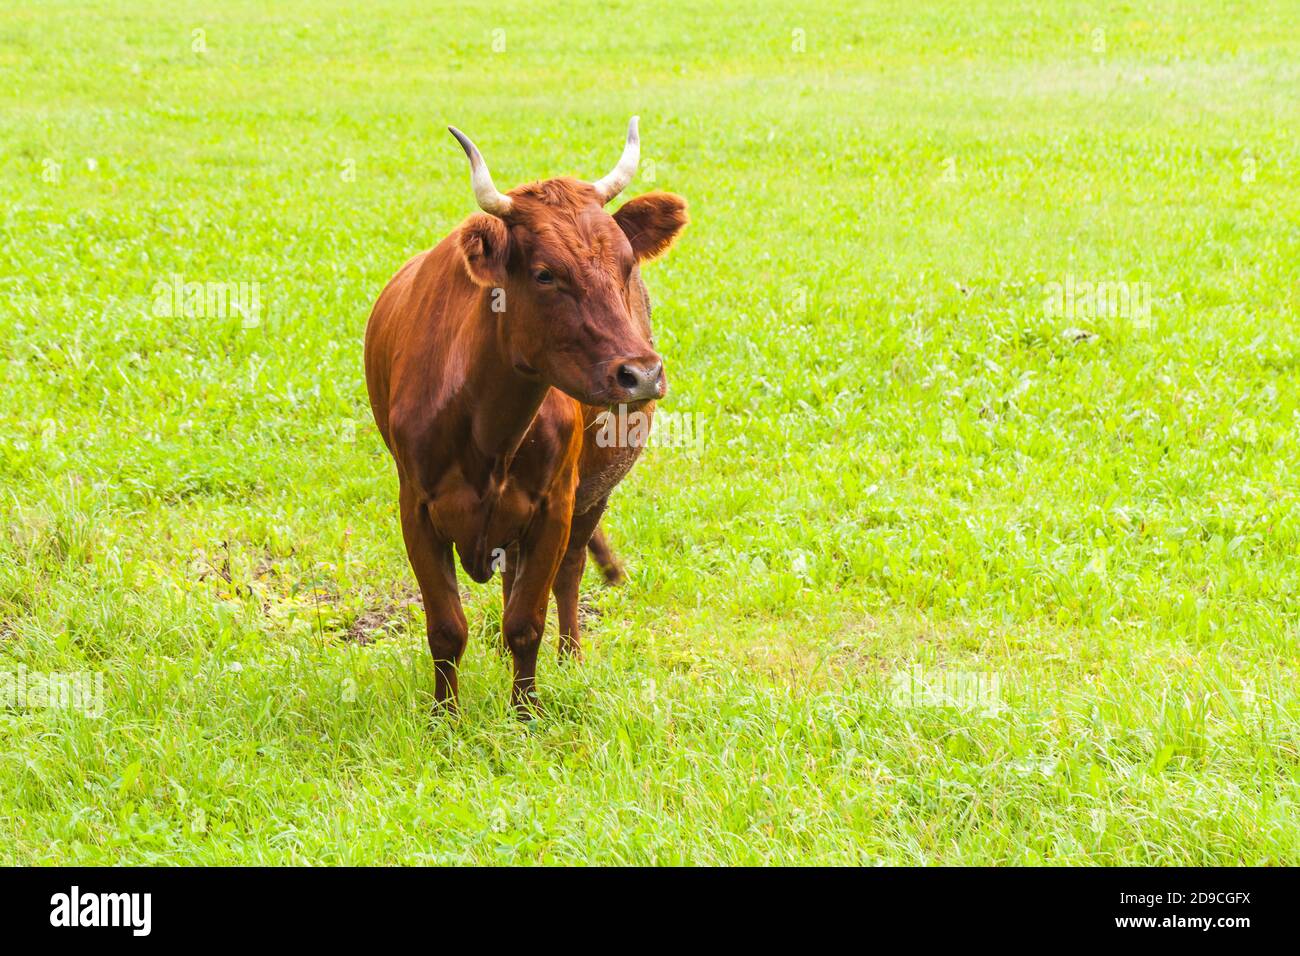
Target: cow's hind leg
435	570
569	578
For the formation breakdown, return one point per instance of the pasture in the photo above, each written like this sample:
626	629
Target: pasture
975	540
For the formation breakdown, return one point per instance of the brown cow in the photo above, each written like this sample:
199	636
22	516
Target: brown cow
489	360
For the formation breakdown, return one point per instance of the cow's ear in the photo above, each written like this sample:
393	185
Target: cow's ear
482	242
651	222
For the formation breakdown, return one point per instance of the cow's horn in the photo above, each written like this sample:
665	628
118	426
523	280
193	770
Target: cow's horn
618	178
489	199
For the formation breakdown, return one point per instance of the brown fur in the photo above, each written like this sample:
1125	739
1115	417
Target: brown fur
490	413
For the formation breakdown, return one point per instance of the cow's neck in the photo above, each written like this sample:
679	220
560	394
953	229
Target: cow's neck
504	402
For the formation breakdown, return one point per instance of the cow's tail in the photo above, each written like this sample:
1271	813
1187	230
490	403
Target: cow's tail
605	559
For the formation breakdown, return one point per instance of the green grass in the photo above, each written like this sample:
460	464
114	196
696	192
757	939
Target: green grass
910	465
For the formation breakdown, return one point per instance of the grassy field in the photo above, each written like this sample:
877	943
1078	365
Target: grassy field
967	566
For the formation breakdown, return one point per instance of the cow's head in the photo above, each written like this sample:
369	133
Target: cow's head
562	274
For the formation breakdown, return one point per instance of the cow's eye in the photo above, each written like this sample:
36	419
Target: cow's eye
543	277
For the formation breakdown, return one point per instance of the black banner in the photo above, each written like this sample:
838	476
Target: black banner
220	906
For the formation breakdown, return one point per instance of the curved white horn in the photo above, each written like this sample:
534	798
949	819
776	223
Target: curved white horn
489	199
611	185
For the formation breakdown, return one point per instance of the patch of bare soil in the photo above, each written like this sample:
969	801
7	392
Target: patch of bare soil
382	618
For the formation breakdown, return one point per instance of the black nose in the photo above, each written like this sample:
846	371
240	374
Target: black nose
641	379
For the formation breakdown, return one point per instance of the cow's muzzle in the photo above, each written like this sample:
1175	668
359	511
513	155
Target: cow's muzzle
638	379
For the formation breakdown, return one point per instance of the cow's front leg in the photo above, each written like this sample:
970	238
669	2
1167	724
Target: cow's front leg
511	561
524	620
435	571
569	578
